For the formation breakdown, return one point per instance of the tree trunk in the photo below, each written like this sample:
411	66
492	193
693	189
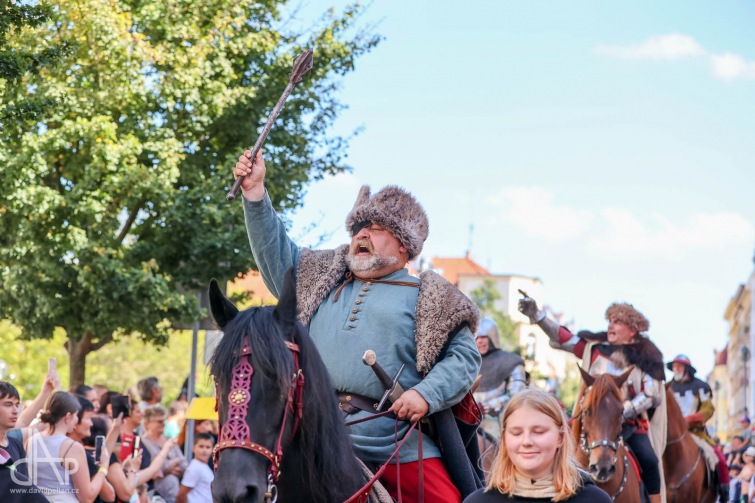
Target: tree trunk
78	349
77	358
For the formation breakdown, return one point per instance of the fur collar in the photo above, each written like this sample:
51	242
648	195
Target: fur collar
642	353
441	309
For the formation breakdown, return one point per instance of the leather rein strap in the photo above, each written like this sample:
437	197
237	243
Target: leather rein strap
234	433
363	493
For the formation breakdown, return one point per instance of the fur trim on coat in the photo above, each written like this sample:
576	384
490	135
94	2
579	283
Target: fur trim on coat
642	353
441	307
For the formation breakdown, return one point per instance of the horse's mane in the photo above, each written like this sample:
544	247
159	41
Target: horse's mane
328	465
269	354
602	386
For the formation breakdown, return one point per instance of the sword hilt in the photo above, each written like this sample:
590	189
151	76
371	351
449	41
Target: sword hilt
370	359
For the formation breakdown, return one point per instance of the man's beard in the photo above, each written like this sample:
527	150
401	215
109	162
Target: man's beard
679	376
373	262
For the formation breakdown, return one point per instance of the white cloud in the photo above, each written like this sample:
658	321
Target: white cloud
616	232
730	66
663	47
533	211
675	46
629	237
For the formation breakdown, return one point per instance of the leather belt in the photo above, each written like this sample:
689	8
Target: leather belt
351	403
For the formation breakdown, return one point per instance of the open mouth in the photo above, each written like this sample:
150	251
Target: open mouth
362	248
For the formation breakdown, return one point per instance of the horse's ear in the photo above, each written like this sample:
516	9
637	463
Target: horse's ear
223	310
285	311
589	380
620	380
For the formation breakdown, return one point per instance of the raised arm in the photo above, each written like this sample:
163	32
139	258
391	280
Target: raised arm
528	307
274	253
51	383
253	185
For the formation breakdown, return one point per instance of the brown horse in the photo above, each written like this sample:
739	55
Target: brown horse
683	463
596	428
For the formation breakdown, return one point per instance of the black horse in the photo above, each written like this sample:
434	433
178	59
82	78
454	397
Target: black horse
317	462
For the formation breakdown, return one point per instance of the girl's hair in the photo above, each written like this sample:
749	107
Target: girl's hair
567	478
58	405
105	400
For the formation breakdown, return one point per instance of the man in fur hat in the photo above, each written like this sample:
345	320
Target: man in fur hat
359	297
622	346
694	397
501	376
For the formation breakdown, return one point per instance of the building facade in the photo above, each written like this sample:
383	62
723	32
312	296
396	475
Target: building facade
739	316
718	380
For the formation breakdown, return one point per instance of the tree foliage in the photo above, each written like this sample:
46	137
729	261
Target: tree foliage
112	207
118	365
485	297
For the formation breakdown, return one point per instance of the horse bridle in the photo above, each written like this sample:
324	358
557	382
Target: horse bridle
614	445
234	434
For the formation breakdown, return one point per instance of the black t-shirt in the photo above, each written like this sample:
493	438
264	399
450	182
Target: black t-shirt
15	447
16	488
589	493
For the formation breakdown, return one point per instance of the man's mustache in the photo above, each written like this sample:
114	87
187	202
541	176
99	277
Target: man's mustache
361	243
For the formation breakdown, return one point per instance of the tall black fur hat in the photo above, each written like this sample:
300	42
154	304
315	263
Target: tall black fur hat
395	209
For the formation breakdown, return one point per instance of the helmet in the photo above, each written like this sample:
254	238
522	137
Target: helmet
682	359
488	328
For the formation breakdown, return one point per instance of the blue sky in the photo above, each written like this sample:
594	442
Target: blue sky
605	148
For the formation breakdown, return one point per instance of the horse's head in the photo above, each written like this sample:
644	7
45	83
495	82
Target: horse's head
259	386
601	416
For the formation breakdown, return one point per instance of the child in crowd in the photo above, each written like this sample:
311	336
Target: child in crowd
735	486
195	485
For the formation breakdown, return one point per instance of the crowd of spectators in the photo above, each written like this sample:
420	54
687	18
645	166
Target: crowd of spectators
740	455
92	444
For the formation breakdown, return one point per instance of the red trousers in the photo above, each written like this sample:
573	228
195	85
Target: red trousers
723	468
438	486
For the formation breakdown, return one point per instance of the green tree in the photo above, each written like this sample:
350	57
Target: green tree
112	199
15	62
569	387
485	297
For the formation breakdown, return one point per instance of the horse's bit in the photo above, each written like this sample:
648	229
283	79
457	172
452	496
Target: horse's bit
234	434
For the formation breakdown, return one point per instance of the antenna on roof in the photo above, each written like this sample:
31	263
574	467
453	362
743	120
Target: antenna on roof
469	243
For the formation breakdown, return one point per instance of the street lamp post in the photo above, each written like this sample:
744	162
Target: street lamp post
745	357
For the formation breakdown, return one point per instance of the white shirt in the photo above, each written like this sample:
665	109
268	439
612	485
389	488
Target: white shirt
198	476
